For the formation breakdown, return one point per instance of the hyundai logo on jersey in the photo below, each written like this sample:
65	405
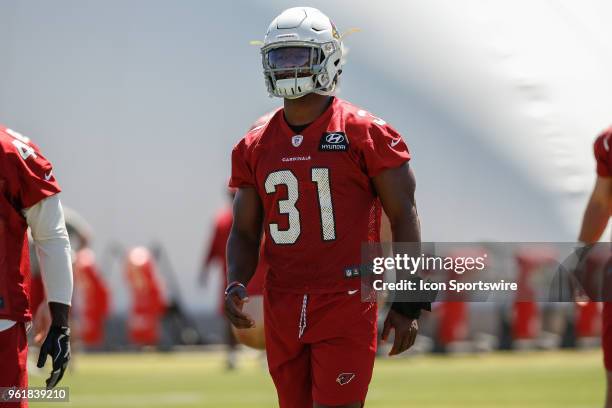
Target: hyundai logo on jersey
334	138
333	142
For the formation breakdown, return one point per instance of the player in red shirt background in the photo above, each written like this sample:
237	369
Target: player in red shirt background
313	179
594	223
90	292
216	253
29	197
253	337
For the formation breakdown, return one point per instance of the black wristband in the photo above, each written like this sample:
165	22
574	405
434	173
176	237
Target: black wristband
60	330
411	310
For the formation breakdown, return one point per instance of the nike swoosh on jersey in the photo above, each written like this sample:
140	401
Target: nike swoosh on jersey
352	292
394	142
48	176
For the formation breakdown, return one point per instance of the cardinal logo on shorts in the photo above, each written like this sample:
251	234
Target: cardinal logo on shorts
345	378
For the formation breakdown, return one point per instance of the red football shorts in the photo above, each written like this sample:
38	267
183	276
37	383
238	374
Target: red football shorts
606	335
13	361
320	347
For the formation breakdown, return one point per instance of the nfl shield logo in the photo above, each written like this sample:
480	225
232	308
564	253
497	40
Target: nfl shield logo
297	140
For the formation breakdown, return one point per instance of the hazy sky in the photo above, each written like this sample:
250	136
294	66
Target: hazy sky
138	104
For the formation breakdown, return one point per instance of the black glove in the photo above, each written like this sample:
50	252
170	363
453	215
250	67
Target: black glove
56	345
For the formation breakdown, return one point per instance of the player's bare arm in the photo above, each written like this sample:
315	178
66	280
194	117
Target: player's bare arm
396	188
597	211
594	222
242	254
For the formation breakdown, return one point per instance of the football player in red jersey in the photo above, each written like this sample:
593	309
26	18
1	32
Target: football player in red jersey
253	337
216	253
313	178
594	223
29	197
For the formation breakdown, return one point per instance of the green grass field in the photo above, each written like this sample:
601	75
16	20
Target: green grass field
542	379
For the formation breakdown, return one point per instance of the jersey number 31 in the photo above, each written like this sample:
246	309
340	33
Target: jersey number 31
319	176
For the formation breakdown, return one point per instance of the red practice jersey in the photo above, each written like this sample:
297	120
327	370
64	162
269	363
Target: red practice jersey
603	153
318	199
26	178
217	252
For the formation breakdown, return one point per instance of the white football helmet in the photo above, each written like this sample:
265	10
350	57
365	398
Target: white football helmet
302	53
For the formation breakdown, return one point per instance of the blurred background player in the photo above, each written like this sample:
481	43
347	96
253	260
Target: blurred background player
92	296
594	223
216	253
252	337
29	196
91	300
312	178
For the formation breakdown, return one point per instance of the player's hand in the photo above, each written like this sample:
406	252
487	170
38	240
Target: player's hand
582	283
57	346
405	328
235	298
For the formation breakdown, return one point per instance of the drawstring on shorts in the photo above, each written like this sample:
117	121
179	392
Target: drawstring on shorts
302	325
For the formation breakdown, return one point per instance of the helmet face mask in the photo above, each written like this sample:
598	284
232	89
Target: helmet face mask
302	54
